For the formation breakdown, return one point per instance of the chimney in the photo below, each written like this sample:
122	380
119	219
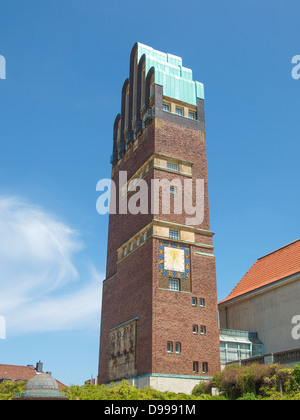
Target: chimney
39	367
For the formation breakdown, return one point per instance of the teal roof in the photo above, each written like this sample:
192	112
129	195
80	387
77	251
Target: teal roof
177	81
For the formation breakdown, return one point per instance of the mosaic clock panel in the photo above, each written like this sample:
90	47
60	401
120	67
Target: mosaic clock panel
174	260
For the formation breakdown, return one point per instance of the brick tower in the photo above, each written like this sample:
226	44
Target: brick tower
159	324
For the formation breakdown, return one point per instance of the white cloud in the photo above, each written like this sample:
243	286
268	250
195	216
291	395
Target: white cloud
41	287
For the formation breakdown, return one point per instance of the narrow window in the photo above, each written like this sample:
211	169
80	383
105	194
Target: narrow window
173	190
119	131
152	86
195	329
202	303
178	348
203	330
174	284
143	89
166	107
126	108
196	367
194	301
169	347
205	367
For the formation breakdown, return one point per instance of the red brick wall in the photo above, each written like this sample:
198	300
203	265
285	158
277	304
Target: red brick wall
184	143
127	295
123	227
174	317
131	289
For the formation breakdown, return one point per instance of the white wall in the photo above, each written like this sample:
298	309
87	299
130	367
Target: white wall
268	313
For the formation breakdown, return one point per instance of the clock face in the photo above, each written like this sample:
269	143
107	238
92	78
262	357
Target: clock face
174	259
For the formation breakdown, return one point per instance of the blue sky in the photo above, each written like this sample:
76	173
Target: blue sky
66	64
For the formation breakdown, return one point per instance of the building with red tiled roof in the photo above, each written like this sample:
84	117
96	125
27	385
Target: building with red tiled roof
267	299
22	373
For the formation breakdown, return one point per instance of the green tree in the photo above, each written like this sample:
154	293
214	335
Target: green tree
8	389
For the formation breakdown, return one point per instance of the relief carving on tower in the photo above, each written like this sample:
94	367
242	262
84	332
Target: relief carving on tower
122	351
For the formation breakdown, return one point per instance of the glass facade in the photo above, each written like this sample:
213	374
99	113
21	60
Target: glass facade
239	345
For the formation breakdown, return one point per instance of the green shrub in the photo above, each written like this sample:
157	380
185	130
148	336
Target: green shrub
248	397
8	389
296	374
200	389
251	382
227	382
268	382
124	391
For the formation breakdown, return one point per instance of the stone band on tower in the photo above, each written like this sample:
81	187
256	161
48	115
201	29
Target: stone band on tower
159	322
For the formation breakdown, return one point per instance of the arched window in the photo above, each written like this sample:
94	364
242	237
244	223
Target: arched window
139	96
126	108
134	90
149	89
143	90
152	85
124	112
116	140
119	130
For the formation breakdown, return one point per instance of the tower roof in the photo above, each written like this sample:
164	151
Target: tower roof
177	81
273	267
